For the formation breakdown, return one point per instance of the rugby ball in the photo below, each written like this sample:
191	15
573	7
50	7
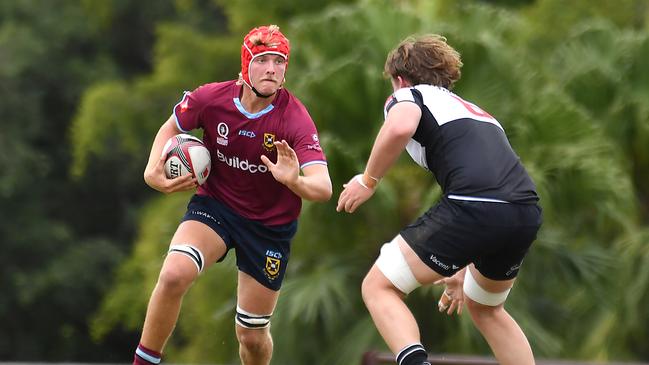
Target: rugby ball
186	154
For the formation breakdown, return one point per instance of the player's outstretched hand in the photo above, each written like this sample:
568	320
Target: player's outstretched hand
287	168
452	298
355	193
157	179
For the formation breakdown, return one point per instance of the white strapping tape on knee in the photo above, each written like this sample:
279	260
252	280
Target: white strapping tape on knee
477	294
394	266
251	320
192	252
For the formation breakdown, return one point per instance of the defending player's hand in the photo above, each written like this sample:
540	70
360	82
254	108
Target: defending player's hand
157	179
355	193
287	168
452	298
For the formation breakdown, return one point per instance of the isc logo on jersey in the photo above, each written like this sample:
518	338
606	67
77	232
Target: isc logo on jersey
241	164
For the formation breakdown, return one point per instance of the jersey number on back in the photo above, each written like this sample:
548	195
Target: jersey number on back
473	109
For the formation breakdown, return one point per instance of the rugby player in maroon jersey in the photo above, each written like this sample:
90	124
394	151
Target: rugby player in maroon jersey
266	158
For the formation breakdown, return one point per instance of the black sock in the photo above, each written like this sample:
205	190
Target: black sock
414	354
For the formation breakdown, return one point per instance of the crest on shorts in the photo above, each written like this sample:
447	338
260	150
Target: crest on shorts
272	267
269	141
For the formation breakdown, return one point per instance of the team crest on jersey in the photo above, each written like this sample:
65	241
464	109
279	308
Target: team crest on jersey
222	129
269	141
272	267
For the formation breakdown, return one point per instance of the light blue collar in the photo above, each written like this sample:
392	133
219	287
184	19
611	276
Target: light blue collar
249	115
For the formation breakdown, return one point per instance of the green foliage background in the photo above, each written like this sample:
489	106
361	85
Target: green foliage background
85	86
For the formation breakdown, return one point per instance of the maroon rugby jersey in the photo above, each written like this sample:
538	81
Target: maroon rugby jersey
236	140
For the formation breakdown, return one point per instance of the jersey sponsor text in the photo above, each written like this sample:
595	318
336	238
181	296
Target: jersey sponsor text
241	164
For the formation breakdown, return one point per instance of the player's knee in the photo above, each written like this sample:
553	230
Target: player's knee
376	287
367	293
484	315
479	311
371	287
368	286
178	275
191	253
174	281
253	341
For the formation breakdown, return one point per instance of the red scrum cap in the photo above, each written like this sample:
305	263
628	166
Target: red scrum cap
260	41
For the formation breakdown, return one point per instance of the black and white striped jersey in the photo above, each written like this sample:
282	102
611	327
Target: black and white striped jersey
465	148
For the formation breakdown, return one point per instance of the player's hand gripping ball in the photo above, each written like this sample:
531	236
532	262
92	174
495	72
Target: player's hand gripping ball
186	154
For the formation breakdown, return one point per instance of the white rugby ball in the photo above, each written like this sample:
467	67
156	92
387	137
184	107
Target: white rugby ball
186	154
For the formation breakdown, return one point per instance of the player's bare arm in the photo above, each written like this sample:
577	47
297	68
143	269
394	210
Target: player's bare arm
314	184
154	174
399	127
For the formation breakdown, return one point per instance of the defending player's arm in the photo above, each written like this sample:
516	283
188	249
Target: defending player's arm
452	298
399	127
154	174
314	184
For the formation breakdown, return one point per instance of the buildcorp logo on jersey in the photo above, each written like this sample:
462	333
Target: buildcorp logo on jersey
240	164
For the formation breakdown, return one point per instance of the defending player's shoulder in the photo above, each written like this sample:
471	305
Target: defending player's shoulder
447	106
406	94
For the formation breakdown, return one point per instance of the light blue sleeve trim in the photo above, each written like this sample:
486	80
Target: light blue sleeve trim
316	162
176	116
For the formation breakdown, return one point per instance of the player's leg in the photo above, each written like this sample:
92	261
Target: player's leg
396	273
255	306
488	281
262	258
194	247
485	300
